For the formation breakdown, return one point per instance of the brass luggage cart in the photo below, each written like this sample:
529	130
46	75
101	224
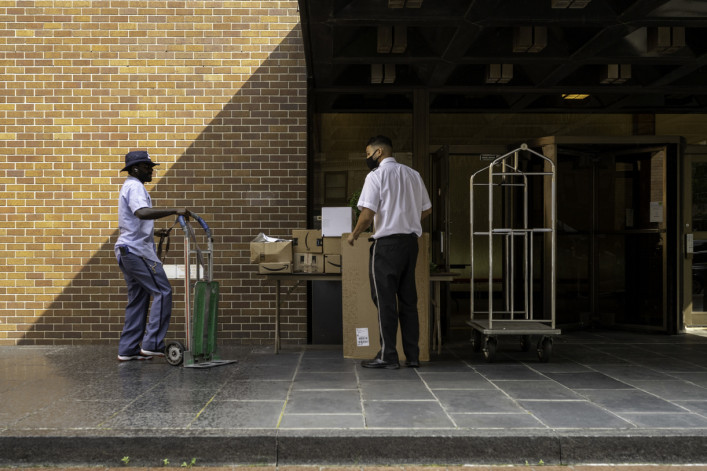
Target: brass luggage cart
515	244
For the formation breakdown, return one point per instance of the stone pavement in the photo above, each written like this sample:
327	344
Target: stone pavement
604	398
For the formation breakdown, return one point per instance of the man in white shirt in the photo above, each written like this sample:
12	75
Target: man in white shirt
142	269
395	199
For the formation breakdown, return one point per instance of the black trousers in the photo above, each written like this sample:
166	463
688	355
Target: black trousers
392	276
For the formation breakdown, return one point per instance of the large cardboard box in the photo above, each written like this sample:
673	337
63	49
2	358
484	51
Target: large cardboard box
273	268
307	241
361	336
266	252
337	221
309	263
332	245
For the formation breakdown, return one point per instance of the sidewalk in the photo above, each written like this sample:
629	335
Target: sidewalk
408	468
404	468
604	397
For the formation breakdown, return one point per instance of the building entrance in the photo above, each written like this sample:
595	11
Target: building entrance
615	235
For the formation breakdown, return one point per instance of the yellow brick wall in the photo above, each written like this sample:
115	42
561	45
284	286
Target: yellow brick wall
214	90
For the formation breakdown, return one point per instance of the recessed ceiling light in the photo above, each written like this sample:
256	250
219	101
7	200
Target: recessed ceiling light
574	96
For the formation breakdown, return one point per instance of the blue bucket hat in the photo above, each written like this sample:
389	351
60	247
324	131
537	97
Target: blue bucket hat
135	157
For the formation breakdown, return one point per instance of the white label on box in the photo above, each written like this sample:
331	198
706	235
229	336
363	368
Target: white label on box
362	337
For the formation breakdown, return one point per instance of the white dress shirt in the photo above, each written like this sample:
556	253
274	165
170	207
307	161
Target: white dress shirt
397	194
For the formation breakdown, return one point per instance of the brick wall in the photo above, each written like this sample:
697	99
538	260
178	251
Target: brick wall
215	91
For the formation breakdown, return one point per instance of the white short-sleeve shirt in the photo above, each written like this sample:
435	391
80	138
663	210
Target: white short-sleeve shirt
135	233
397	194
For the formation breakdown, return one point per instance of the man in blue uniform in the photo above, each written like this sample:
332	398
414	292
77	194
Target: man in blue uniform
395	199
142	269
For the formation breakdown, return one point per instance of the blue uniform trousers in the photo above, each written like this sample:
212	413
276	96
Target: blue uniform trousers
144	278
393	290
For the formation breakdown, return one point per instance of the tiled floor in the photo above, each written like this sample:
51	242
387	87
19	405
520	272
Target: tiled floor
597	383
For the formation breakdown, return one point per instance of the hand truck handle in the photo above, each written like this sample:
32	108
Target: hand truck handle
203	224
183	222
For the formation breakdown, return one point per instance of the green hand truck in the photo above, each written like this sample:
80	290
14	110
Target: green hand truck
202	317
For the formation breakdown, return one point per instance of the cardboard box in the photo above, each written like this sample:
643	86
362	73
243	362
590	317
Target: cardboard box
272	268
307	241
360	317
337	221
332	263
332	245
309	263
266	252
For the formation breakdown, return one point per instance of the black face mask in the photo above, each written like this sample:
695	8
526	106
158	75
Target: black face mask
372	162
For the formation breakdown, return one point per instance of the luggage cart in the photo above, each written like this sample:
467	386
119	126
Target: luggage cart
509	226
202	319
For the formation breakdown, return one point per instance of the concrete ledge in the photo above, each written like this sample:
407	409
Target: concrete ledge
399	450
143	451
634	449
340	449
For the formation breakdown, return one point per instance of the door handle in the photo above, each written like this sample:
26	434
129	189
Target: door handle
689	245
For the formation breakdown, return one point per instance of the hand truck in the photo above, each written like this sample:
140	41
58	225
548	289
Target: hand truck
202	318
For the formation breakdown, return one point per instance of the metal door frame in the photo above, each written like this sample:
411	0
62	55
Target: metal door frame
692	154
439	175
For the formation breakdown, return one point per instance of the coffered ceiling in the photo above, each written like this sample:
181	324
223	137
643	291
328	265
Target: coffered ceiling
507	56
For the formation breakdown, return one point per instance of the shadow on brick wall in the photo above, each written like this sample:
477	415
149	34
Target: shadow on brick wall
245	173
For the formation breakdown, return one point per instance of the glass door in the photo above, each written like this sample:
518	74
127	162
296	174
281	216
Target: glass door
439	170
630	238
611	236
695	312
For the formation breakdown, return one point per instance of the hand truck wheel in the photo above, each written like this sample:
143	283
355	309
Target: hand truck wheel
545	349
174	353
490	349
476	341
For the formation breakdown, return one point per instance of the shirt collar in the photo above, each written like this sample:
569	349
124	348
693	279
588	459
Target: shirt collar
390	160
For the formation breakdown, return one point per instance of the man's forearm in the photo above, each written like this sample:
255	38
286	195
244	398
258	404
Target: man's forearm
365	219
364	222
151	213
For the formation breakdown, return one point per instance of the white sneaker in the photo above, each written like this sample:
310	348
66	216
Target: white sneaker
150	354
133	357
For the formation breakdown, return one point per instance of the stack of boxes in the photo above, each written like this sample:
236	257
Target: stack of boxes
335	223
310	250
319	251
332	254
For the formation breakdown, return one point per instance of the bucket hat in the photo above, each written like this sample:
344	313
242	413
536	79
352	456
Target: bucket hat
135	157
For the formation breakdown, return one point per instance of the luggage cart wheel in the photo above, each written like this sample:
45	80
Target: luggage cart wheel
524	343
490	349
174	353
544	349
476	341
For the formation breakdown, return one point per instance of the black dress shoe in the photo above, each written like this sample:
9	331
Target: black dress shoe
378	363
412	364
